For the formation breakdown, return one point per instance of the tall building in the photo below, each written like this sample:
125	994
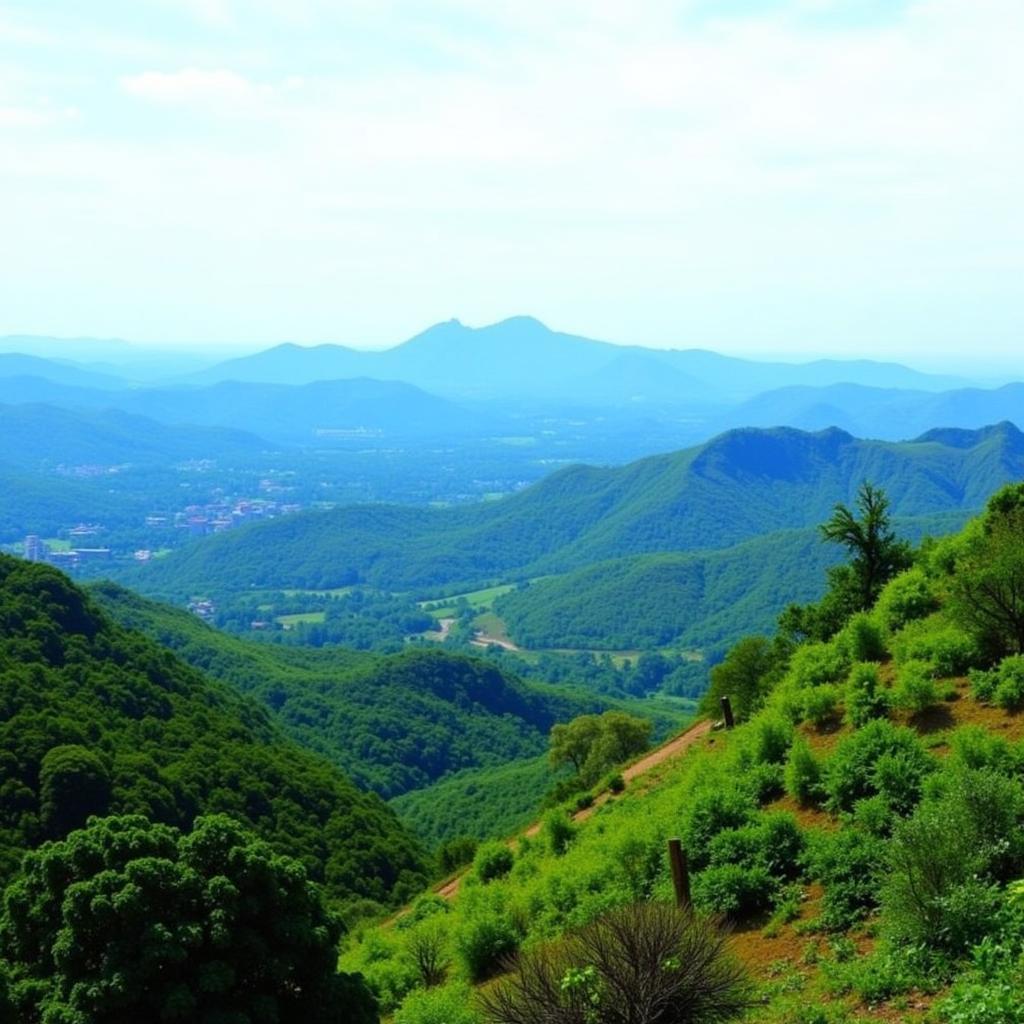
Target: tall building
35	549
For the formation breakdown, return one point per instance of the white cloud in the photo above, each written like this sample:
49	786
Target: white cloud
218	86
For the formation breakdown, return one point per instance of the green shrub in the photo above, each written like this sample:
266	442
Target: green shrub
848	863
456	854
616	783
734	889
874	815
712	810
764	782
915	689
773	842
803	774
483	941
983	685
584	800
949	650
452	1004
559	831
973	746
946	860
820	705
866	698
772	735
861	638
850	773
493	860
814	664
907	597
1009	693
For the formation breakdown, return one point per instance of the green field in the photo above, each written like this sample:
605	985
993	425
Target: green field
335	592
300	618
480	600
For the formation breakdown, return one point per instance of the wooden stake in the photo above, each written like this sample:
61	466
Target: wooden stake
727	713
680	872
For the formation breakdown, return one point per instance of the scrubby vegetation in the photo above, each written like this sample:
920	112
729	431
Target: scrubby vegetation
865	819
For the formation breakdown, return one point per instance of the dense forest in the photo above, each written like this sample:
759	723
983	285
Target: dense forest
393	723
733	488
860	829
97	719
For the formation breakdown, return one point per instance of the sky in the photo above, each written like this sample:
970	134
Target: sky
761	177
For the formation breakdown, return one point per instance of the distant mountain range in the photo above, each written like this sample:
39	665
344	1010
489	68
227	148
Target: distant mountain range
736	487
522	356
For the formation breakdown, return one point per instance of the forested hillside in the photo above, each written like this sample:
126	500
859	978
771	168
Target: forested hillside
393	723
860	830
97	719
736	487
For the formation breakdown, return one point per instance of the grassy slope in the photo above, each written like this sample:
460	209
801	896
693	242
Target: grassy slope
803	970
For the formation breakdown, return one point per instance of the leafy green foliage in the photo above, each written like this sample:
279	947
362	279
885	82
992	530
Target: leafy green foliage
915	690
745	677
126	920
591	744
492	860
95	719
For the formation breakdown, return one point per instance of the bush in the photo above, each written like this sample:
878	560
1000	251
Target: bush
452	1004
616	783
1009	693
973	746
734	889
772	735
483	941
584	800
983	685
803	774
866	698
493	860
850	774
764	782
773	841
908	597
662	964
427	947
915	689
874	815
949	650
713	810
861	638
820	705
814	664
559	831
455	854
848	864
945	861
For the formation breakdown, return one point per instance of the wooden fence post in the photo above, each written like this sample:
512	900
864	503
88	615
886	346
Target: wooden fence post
680	873
727	713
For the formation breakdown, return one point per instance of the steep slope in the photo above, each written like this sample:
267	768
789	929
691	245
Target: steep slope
97	719
393	723
735	487
860	832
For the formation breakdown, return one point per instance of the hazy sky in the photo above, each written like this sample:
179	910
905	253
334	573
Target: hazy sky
810	176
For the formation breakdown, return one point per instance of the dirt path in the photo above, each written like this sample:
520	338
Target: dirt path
666	752
483	640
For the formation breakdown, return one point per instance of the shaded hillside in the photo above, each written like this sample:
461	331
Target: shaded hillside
736	487
33	436
306	414
98	719
705	600
393	722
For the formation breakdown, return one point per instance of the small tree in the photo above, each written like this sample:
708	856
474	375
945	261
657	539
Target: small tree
878	555
745	677
643	963
592	744
987	588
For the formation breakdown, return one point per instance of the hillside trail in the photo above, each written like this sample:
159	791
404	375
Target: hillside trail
674	748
